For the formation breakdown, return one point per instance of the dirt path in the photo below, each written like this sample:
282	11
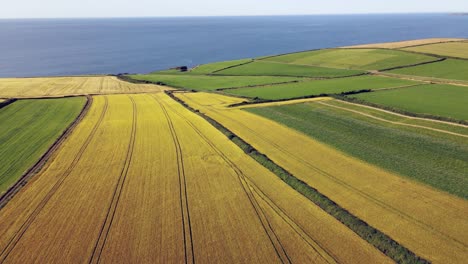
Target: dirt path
394	122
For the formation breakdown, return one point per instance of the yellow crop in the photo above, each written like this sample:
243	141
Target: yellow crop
61	86
143	180
453	49
430	223
402	44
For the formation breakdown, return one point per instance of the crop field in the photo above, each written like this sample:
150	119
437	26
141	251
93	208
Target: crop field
264	68
216	66
408	43
448	69
63	86
421	218
167	187
429	155
201	82
437	100
357	59
28	128
317	87
452	49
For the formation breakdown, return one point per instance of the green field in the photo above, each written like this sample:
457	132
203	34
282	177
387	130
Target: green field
281	69
448	69
433	158
28	128
318	87
203	82
216	66
452	49
439	100
364	59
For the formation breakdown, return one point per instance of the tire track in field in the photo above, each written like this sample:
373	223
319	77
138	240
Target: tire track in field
342	183
107	224
30	219
279	248
184	205
393	122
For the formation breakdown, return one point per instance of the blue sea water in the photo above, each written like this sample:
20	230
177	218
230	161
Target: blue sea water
40	47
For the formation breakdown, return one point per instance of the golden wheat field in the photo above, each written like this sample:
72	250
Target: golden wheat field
425	220
452	49
65	86
143	180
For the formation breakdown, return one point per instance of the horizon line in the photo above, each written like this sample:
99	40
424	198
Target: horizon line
208	16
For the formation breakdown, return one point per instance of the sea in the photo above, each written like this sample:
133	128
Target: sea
56	47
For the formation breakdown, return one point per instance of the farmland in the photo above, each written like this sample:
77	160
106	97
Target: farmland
358	59
122	208
27	130
202	82
437	100
317	87
65	86
448	69
428	156
264	68
451	49
397	206
408	43
216	66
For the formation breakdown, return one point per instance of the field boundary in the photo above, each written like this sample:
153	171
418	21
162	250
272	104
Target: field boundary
449	120
413	65
373	236
7	102
232	66
422	78
24	179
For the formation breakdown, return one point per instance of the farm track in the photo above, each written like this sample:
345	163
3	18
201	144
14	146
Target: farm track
399	212
393	122
184	204
280	251
24	227
107	225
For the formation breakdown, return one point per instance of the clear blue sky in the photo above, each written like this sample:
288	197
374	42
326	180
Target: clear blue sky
145	8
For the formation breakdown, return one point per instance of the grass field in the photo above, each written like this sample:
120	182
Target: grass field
62	86
167	187
281	69
439	100
452	49
216	66
318	87
399	207
413	152
448	69
211	82
358	59
28	128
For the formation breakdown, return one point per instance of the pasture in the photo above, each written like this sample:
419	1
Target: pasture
401	208
436	100
318	87
265	68
449	69
28	128
451	49
203	82
357	59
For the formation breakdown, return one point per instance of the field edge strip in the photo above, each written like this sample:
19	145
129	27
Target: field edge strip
373	236
24	179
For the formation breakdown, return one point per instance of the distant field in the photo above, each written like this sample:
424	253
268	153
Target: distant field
211	67
62	86
200	82
407	43
452	49
281	69
318	87
448	69
363	59
440	100
412	152
28	128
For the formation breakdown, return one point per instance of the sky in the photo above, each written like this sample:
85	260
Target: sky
158	8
